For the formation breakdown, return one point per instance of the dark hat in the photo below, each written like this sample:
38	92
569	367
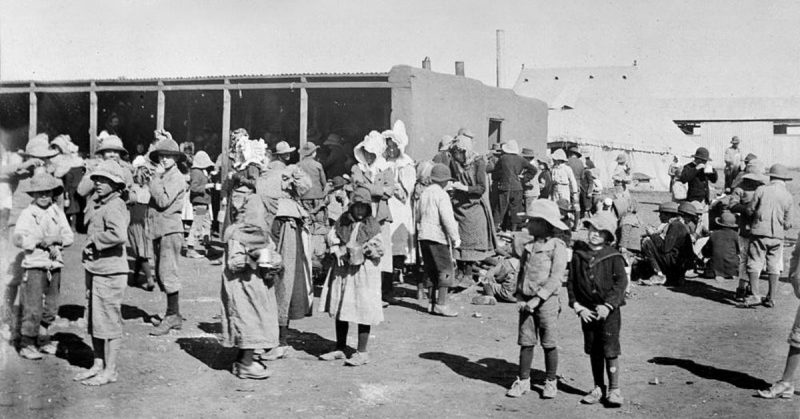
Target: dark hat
166	147
338	182
702	154
726	219
440	173
496	148
687	208
575	150
735	140
779	171
361	196
668	207
41	182
528	153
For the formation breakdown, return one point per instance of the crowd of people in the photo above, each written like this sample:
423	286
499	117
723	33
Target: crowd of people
350	225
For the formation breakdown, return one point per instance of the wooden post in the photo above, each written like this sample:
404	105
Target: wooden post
303	116
33	110
226	131
92	119
160	108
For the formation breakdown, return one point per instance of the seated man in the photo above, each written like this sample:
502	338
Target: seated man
669	253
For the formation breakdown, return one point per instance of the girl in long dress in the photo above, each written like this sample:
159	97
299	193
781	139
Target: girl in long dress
374	173
352	292
400	205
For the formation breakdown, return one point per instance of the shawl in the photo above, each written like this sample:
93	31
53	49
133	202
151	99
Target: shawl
369	228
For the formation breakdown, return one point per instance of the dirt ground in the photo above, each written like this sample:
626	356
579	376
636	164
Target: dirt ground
708	356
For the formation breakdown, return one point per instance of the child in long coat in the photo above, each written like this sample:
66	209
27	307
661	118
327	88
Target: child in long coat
352	292
249	307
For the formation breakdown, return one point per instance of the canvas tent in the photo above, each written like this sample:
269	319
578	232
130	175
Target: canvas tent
607	111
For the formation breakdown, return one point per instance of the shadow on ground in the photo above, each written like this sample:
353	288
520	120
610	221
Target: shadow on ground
734	378
71	312
209	351
74	350
706	291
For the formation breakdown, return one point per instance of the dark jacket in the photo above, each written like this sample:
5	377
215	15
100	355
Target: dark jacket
723	249
578	168
335	161
507	171
198	194
596	277
697	182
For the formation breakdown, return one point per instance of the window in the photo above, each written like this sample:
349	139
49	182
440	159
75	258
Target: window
494	131
786	128
688	128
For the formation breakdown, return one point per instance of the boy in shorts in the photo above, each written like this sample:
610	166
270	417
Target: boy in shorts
542	266
596	288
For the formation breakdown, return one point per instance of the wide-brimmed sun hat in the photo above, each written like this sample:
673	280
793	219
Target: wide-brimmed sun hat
750	157
338	182
546	160
201	161
575	150
726	219
779	171
308	149
465	132
110	170
756	177
565	206
670	207
687	208
559	155
735	140
528	153
361	196
701	154
622	158
440	173
166	146
38	147
42	182
511	147
111	143
284	148
602	221
546	210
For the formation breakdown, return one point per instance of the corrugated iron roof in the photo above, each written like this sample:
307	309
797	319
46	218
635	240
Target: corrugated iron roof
732	109
124	79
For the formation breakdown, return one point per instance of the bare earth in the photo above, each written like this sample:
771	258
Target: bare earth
708	356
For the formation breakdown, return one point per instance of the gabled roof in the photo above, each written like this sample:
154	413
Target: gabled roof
567	87
732	109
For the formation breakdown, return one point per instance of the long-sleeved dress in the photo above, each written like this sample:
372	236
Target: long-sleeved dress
400	205
472	211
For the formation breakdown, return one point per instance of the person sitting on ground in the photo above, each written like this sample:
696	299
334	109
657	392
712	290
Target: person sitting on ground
500	280
772	210
723	248
596	289
667	254
438	230
542	267
42	231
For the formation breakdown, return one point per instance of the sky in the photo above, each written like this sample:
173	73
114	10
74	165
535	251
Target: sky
733	48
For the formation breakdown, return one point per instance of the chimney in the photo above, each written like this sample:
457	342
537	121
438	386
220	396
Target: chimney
460	68
426	63
501	38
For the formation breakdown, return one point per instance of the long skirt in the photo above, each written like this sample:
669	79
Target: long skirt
402	229
353	293
249	310
476	231
293	289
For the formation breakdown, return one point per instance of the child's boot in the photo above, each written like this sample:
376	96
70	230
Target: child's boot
420	291
550	389
740	294
46	345
594	396
519	388
615	398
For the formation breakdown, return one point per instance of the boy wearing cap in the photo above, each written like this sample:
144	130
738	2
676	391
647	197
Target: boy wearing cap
743	193
106	264
167	189
596	287
542	266
437	230
41	231
722	247
110	148
199	185
772	212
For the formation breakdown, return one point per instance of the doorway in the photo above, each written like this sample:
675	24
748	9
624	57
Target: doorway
495	126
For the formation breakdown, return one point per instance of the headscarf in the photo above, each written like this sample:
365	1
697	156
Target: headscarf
465	143
398	135
373	143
